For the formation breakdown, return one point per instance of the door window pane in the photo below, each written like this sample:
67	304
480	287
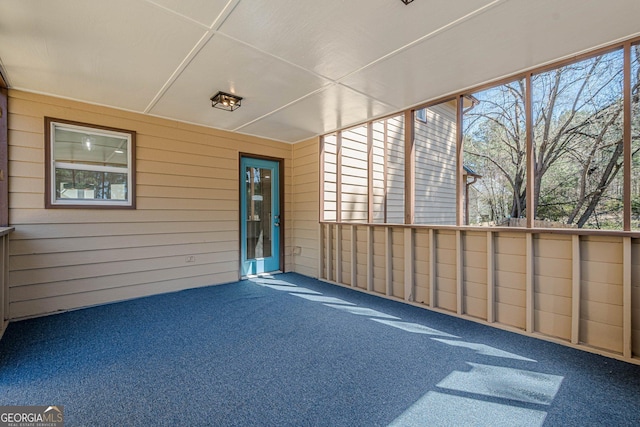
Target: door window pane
259	214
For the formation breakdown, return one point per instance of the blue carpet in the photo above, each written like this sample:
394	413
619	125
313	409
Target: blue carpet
290	350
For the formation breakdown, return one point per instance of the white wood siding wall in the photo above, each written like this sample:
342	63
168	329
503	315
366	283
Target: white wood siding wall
395	169
378	167
330	178
569	286
355	177
435	166
187	206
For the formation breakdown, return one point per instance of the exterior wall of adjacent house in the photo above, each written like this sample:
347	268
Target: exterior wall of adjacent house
435	166
435	170
187	208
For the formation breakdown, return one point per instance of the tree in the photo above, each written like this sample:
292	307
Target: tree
577	135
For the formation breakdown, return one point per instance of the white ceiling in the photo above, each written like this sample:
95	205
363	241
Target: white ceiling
304	67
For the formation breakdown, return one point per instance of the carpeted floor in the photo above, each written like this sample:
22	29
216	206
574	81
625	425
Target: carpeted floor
290	350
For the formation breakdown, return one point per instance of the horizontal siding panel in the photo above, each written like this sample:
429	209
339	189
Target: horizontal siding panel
513	297
510	263
553	267
446	300
26	154
22	217
553	286
446	271
69	287
179	159
510	244
477	275
475	242
446	256
475	290
168	168
39	231
190	204
168	146
601	292
421	295
421	267
144	179
53	246
67	302
601	249
552	304
69	272
26	200
475	259
475	307
26	169
446	285
552	246
379	285
21	138
421	253
29	262
552	324
601	272
398	289
24	123
598	312
505	279
601	335
510	315
446	240
26	185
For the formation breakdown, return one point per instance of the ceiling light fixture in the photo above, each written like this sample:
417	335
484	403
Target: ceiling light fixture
406	1
226	101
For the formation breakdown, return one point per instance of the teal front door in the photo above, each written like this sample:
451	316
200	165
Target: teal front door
259	216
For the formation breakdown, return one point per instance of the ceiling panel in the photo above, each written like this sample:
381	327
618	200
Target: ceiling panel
333	108
91	50
265	83
518	35
202	11
336	37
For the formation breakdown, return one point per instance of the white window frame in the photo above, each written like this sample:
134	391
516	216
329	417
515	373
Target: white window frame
129	136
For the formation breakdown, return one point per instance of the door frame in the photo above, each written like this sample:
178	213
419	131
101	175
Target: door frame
283	218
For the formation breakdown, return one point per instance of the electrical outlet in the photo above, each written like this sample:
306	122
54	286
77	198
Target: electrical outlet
297	250
190	258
